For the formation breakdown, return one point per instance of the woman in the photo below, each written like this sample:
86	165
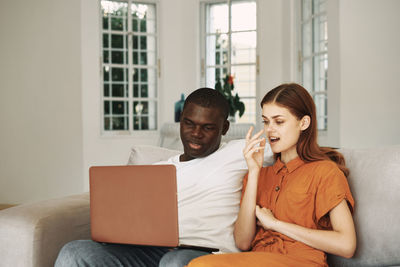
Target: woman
296	210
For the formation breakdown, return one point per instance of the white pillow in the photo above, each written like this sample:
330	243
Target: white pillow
143	154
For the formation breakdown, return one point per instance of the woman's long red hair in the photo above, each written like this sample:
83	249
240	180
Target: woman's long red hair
299	102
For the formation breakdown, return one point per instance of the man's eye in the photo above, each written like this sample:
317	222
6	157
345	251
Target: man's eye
209	128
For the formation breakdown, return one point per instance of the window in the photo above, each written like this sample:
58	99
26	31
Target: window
230	41
314	55
129	66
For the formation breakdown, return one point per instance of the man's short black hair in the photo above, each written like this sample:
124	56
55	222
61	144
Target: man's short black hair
209	98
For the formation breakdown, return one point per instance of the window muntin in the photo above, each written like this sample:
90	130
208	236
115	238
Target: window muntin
314	55
230	48
129	66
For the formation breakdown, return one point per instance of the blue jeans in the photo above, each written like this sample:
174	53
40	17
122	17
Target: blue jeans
180	257
82	253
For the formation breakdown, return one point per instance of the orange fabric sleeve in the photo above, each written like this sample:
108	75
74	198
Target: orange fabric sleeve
333	188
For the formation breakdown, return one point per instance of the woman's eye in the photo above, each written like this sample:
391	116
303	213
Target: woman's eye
279	122
265	122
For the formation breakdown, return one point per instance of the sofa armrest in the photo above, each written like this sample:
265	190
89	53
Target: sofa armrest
33	234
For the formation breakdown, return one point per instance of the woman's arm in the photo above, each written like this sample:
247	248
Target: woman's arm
245	226
339	241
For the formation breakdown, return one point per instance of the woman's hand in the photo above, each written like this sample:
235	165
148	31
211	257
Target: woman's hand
265	218
253	152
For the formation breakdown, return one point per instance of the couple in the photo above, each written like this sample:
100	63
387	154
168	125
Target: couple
290	213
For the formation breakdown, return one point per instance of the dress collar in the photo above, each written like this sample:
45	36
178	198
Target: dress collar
291	165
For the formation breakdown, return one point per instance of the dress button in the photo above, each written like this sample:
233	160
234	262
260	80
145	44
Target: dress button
277	188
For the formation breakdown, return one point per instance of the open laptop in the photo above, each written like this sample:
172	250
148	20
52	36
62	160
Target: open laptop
135	204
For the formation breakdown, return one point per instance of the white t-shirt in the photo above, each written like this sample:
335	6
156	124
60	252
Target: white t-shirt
209	191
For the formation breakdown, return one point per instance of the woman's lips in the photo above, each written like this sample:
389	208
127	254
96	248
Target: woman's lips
273	140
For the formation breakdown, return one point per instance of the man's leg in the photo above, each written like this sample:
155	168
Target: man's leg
81	253
180	257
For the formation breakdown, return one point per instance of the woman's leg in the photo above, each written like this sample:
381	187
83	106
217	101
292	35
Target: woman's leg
254	259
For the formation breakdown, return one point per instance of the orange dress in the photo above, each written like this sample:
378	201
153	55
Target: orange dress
299	193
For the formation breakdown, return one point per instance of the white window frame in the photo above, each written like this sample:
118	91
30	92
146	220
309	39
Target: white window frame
314	88
130	66
229	65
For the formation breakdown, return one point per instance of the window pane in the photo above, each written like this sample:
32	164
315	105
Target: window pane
105	41
119	107
319	6
245	80
308	74
249	115
117	41
244	16
307	39
120	123
217	18
106	56
143	110
118	90
117	57
107	107
107	123
119	74
321	105
244	47
214	74
217	49
105	23
320	34
106	73
306	9
114	8
106	89
320	73
118	24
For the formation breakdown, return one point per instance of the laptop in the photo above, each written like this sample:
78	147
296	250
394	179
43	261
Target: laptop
135	204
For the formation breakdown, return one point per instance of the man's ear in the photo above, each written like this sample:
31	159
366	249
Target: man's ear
225	127
305	122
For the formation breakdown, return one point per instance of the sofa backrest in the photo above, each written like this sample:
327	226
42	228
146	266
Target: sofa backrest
375	183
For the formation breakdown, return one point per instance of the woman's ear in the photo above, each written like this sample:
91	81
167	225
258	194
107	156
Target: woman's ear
305	122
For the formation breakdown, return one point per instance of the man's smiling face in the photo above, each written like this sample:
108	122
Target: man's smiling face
201	129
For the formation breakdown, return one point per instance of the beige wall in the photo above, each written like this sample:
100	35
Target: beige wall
370	73
40	100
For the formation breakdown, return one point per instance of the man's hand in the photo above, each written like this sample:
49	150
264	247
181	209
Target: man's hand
253	152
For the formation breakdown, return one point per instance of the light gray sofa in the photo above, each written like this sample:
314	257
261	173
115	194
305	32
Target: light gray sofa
32	234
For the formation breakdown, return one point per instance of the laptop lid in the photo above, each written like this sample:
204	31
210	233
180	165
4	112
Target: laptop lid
134	204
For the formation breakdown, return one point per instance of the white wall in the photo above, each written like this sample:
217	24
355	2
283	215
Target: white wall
40	100
370	72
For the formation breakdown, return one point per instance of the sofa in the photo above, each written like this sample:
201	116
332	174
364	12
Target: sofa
32	234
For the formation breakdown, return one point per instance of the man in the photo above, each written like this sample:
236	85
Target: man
209	181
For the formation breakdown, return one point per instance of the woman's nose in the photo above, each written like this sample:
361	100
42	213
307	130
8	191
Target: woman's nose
269	128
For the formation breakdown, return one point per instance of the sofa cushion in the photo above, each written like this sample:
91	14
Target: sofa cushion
144	154
375	183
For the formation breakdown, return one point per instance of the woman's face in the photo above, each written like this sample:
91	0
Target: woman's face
282	129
